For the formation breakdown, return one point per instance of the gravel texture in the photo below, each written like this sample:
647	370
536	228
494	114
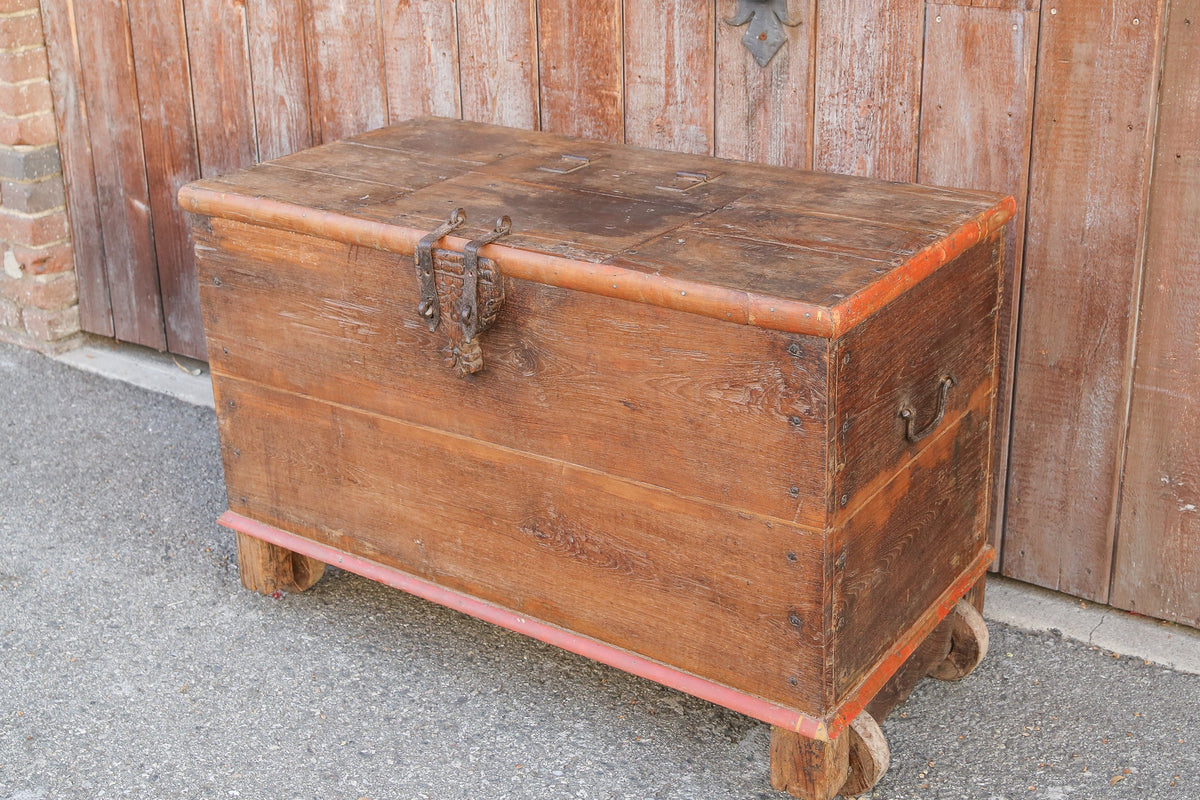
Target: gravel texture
133	664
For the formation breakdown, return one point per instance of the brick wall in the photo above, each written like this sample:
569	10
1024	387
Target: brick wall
38	294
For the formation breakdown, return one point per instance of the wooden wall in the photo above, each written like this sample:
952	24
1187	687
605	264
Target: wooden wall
1057	102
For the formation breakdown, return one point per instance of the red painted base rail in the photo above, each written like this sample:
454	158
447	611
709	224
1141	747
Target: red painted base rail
762	710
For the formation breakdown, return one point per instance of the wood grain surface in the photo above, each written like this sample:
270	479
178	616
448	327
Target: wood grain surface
172	159
348	91
74	136
282	113
498	61
868	87
123	197
221	92
1157	569
580	378
580	69
765	114
607	558
981	139
421	52
918	531
1083	255
897	358
669	65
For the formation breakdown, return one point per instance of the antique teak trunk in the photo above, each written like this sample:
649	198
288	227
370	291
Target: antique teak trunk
721	425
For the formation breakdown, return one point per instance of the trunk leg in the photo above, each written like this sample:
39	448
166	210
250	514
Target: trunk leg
267	568
808	768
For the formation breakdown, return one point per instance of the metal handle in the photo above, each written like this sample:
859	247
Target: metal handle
566	164
686	181
909	415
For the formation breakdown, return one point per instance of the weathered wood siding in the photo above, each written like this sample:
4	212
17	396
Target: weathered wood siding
1059	104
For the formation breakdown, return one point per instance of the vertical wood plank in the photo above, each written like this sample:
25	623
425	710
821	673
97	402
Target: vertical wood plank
169	142
279	78
498	62
1157	570
347	88
74	140
764	114
219	56
868	87
1093	128
105	52
580	68
669	64
420	40
976	122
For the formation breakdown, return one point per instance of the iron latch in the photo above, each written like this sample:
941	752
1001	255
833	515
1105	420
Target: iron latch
468	287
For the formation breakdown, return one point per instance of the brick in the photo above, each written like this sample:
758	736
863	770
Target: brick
31	197
35	129
24	65
10	314
21	260
21	30
20	99
49	326
47	292
29	163
33	230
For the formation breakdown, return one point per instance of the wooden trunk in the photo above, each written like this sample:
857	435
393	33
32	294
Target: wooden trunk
731	426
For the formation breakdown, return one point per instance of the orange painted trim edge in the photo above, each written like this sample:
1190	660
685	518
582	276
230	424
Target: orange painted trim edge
871	298
907	644
718	302
585	646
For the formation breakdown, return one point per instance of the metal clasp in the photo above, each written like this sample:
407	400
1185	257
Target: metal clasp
765	35
428	307
468	309
909	415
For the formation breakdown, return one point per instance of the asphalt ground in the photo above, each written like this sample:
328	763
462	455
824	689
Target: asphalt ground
133	664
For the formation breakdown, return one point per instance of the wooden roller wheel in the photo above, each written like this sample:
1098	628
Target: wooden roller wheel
870	756
968	643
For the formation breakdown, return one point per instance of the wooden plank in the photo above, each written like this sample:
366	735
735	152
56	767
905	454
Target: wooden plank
808	768
121	189
219	53
498	61
172	159
1157	569
765	114
580	68
74	139
420	50
346	78
669	63
868	87
279	76
919	531
980	138
585	379
897	358
1093	134
602	557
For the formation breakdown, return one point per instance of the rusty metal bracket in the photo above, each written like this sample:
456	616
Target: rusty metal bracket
765	35
468	310
686	181
428	307
908	414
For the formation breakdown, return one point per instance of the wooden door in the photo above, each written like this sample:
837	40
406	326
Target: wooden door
1056	103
